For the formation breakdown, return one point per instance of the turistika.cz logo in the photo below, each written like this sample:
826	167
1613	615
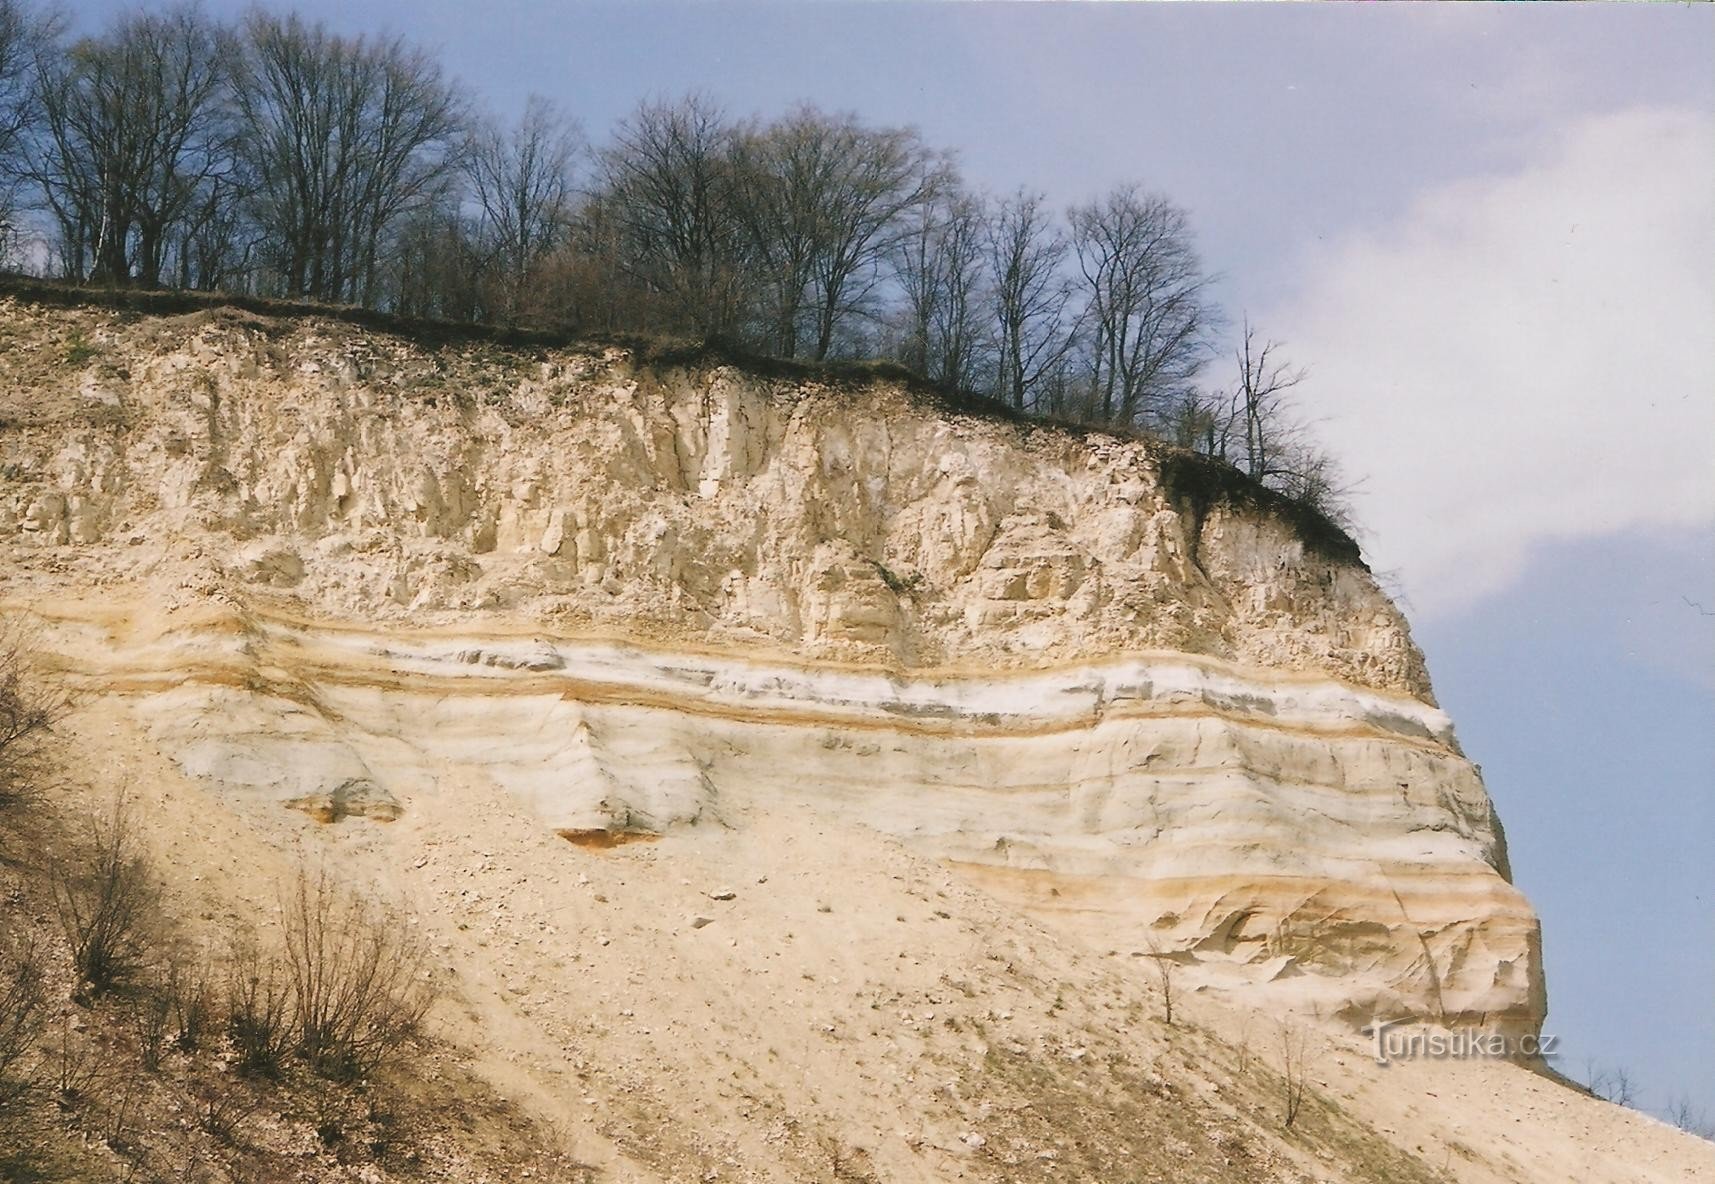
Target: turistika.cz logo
1393	1043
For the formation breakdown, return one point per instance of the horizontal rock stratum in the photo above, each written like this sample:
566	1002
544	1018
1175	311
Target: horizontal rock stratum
644	591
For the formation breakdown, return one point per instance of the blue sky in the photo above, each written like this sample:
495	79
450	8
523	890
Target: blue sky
1488	230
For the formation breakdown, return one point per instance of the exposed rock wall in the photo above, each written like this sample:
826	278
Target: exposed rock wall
328	567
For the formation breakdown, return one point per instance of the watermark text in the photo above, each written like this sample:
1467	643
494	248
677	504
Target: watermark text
1390	1042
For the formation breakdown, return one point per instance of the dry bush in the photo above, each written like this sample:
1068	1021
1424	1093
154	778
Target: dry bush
108	901
1242	1043
259	1010
1611	1084
192	1003
1166	966
117	1120
359	987
220	1108
77	1069
1683	1113
1294	1056
27	712
21	999
151	1023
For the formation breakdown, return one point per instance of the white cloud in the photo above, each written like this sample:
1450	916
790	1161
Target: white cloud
1524	358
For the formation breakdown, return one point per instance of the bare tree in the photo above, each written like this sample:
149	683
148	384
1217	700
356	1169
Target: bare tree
22	36
521	181
1690	1118
440	267
18	34
133	131
667	195
939	262
825	199
1028	299
588	282
1166	966
917	264
342	138
1611	1083
779	171
877	175
1150	318
1259	424
956	329
1257	427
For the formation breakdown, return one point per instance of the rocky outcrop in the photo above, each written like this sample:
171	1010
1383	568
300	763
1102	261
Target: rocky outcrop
334	570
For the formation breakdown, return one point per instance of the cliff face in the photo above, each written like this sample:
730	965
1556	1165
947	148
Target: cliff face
325	568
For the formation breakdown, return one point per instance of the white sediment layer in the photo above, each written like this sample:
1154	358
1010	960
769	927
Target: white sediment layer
332	571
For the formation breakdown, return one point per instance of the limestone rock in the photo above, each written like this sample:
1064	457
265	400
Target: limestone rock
641	599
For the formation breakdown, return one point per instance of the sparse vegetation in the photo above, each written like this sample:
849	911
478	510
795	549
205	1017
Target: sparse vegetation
258	1016
79	350
76	1069
21	999
1683	1113
108	899
359	988
151	1017
192	1003
27	712
1611	1083
1294	1057
132	1081
1166	967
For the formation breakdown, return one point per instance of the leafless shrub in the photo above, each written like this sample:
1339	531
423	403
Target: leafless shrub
332	1110
1166	966
192	1002
27	711
151	1019
20	1027
358	979
1611	1083
259	1010
1294	1056
118	1114
1690	1118
76	1069
1242	1043
220	1108
108	901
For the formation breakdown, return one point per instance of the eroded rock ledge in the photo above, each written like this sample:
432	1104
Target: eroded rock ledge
335	571
367	479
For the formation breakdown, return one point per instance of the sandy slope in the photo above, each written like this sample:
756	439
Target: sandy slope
853	1011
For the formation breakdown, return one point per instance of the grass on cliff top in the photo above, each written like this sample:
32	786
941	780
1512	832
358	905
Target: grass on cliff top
1197	482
